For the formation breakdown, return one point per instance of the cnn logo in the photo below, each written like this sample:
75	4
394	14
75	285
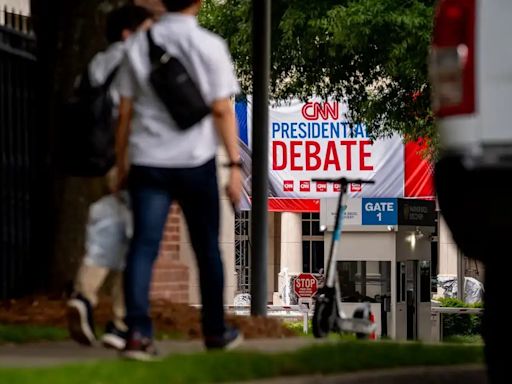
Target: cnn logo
288	186
321	186
355	187
305	186
323	111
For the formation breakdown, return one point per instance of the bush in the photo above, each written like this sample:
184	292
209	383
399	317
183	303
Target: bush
465	339
453	302
297	327
460	325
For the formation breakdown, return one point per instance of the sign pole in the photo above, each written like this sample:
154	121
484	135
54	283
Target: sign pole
305	287
259	219
304	306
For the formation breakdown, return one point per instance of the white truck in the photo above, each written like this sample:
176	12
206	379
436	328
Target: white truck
471	77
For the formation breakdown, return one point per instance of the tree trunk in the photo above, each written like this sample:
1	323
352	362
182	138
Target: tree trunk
69	33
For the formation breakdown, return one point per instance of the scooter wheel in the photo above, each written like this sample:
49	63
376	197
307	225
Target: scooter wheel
359	314
323	317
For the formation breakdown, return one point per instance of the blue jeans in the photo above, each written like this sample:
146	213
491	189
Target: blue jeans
152	191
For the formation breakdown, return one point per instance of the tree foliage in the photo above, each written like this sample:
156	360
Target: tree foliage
371	53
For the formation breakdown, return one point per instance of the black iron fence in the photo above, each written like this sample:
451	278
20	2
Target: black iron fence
15	21
20	162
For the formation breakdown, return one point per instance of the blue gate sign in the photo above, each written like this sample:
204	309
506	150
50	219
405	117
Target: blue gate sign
380	211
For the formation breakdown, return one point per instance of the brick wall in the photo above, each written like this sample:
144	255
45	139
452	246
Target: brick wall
170	275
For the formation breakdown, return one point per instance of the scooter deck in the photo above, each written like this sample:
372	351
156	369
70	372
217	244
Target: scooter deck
356	325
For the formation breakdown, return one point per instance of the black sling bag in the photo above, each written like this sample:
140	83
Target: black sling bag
175	88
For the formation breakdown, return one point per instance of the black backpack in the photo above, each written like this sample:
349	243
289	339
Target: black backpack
175	87
87	140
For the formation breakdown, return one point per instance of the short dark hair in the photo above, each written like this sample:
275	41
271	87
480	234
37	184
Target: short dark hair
127	17
177	5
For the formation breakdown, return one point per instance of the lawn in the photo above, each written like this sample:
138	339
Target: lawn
30	333
336	357
19	334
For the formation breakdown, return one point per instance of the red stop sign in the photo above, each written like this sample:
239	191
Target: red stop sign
305	285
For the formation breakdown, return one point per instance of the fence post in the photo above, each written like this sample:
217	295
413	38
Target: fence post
19	256
441	326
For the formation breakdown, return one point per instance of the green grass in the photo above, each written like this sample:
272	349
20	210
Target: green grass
30	333
171	336
337	357
464	339
297	327
20	334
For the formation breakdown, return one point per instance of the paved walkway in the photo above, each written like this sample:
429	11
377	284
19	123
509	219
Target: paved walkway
466	374
56	353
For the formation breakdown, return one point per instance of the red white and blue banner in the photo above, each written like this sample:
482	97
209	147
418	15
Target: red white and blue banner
315	140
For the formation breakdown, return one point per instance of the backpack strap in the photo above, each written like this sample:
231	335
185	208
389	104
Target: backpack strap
155	51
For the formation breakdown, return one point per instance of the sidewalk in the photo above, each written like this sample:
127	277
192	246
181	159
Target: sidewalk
57	353
467	374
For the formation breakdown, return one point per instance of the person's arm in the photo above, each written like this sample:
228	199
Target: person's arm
224	85
225	123
122	135
125	86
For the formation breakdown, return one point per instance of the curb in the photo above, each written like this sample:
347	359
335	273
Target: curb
467	374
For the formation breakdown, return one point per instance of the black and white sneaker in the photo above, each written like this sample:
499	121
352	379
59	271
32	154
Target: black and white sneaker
80	320
139	348
114	337
231	339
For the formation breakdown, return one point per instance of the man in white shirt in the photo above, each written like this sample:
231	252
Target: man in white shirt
170	164
100	261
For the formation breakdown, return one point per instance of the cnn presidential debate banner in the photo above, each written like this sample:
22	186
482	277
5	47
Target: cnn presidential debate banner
315	140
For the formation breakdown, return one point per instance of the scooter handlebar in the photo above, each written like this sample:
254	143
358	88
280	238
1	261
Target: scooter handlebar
345	181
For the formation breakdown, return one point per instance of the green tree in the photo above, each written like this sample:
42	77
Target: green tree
371	53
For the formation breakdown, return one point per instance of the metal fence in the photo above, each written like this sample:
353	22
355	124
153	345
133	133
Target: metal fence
242	251
15	21
20	165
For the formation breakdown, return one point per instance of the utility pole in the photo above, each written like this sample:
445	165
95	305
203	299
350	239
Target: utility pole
259	220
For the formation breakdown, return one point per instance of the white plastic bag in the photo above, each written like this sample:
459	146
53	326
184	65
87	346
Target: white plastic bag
473	289
108	233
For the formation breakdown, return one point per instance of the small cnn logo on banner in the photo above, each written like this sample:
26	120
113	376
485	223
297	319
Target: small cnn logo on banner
305	186
336	187
288	185
321	186
356	187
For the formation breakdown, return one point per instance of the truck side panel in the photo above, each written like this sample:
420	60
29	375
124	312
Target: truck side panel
494	68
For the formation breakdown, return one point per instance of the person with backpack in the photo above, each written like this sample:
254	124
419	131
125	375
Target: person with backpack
109	221
176	84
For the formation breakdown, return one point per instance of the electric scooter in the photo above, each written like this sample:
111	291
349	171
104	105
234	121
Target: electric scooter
328	316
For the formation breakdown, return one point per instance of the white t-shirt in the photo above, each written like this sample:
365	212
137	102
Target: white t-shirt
155	139
102	65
